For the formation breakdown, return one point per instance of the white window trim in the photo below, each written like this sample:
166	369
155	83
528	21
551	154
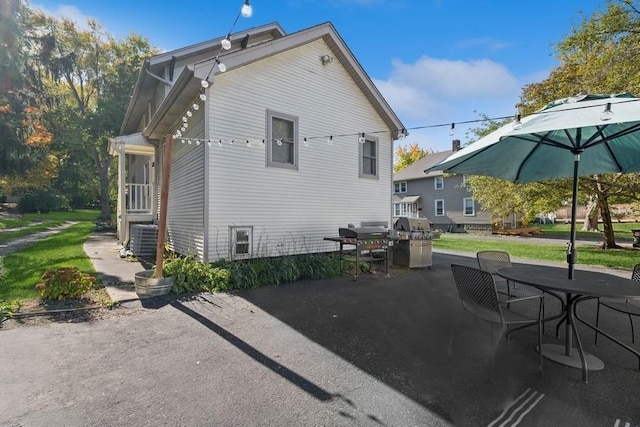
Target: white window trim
360	156
464	207
435	209
268	147
402	187
436	180
464	180
233	242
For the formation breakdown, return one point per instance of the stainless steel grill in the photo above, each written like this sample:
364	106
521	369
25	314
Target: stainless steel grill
413	246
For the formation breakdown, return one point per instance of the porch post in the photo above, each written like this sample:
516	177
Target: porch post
121	211
164	201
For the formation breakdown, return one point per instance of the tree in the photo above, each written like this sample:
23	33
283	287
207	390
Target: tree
92	75
25	161
600	56
406	156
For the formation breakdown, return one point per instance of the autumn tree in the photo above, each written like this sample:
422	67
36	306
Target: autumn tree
25	160
405	156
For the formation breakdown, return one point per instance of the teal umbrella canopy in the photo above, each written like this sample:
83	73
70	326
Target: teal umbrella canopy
543	145
571	137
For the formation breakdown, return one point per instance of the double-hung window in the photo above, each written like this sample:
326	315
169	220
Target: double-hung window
282	134
468	206
438	183
439	205
241	242
369	158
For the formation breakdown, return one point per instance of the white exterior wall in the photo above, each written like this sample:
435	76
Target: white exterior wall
291	211
185	211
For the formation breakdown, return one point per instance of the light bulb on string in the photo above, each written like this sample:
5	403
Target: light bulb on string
183	128
305	142
185	125
231	141
606	114
195	106
262	143
246	10
198	142
203	97
279	141
402	134
184	119
361	138
452	131
248	143
219	143
204	84
517	124
189	114
221	66
330	140
226	43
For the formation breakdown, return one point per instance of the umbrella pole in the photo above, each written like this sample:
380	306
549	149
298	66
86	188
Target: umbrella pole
571	249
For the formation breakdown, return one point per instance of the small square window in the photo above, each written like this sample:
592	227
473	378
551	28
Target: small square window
241	241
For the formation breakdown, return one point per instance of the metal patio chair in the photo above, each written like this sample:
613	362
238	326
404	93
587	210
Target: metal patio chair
479	296
625	306
491	261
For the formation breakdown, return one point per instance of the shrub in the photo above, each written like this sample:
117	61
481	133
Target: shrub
195	276
64	283
38	201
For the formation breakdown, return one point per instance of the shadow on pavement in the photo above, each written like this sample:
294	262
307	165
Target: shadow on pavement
398	329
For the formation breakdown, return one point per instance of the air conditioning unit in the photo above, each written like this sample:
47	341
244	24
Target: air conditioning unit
144	238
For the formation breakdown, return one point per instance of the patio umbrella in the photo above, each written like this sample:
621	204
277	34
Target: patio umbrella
571	137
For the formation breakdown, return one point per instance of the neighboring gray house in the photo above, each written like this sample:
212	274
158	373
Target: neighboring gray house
445	200
290	143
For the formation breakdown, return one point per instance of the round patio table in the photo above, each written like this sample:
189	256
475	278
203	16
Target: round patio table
584	285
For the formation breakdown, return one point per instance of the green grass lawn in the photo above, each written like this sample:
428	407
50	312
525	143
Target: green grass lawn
588	253
25	267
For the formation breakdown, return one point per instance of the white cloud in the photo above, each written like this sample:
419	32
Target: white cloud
68	12
433	92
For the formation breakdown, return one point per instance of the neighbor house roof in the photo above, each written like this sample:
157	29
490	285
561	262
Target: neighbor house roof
271	40
416	170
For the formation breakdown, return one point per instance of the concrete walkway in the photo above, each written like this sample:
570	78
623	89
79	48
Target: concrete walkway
117	273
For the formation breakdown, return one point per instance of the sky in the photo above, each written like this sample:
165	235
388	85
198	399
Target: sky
436	62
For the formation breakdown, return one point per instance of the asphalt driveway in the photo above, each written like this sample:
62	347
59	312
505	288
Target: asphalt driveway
317	353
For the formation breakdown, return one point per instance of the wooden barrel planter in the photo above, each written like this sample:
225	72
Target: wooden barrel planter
148	286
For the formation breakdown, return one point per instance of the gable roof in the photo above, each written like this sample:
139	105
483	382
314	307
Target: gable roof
416	170
267	40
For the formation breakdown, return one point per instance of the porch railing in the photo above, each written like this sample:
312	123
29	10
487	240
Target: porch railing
138	198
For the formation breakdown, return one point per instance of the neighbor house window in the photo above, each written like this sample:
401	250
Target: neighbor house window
438	183
469	207
282	135
439	207
400	187
369	158
241	241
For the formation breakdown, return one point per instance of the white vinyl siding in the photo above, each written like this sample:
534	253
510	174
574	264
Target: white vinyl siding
185	211
439	207
291	211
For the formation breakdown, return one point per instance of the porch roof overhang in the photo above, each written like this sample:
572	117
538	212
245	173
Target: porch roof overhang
135	143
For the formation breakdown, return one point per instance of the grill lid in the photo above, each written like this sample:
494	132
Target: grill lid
362	232
412	224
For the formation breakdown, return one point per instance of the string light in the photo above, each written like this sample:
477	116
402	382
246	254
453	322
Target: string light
452	131
606	114
330	140
361	138
246	10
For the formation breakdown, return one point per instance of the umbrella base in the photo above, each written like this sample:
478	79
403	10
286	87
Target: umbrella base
556	353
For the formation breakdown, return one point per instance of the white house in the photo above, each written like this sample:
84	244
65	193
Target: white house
290	143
